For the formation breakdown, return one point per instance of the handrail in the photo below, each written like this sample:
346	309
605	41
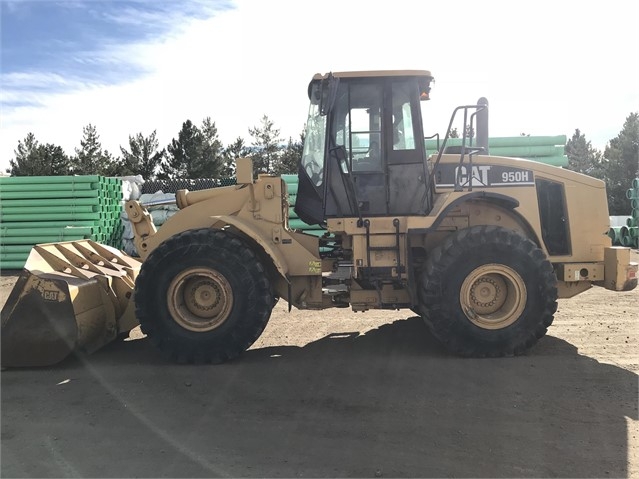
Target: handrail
465	149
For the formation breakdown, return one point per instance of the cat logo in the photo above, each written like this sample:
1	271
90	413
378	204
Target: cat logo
50	295
482	176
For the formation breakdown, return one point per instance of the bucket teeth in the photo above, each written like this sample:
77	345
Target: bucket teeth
71	296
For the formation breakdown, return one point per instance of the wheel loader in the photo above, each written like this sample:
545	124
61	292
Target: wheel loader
480	246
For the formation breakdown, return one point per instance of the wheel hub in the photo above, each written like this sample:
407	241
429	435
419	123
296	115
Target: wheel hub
493	296
488	294
200	299
204	296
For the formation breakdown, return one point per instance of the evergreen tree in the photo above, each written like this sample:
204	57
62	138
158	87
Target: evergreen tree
622	165
210	163
26	162
34	159
90	158
232	152
197	152
582	157
142	157
290	158
57	160
182	152
266	148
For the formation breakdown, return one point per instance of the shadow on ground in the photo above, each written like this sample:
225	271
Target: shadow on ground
387	403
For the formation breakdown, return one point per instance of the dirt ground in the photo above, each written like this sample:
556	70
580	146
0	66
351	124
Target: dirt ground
339	394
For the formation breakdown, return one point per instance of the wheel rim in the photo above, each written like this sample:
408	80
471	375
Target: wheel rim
200	299
493	296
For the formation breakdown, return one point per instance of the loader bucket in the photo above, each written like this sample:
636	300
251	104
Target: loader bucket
72	296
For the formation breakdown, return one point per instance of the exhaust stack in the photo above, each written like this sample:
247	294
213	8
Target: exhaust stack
482	125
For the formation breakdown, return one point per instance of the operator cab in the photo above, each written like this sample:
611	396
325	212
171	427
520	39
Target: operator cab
364	150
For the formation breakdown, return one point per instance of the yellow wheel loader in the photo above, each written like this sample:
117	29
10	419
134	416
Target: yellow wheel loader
480	246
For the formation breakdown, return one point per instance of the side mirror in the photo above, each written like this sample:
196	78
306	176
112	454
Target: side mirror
328	94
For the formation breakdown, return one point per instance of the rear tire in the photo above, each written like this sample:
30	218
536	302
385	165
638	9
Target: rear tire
203	296
488	292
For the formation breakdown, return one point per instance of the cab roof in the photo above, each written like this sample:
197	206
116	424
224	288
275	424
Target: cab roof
375	73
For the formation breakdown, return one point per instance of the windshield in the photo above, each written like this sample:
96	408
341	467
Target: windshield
314	143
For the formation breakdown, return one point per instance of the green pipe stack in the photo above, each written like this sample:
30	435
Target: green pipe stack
544	149
294	221
48	209
628	234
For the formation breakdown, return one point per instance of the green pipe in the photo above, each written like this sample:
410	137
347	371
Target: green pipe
25	189
631	222
44	239
48	224
13	257
298	224
80	230
526	140
632	232
502	141
618	235
632	193
29	180
635	204
12	210
7	265
15	248
315	232
615	235
527	151
623	232
292	188
635	183
635	214
51	202
17	195
290	178
52	217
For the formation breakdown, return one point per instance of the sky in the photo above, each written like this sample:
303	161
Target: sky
546	67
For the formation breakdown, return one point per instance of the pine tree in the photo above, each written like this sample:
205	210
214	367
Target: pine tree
582	157
56	159
182	152
622	165
142	157
232	152
197	152
90	158
210	163
266	147
288	162
33	159
26	162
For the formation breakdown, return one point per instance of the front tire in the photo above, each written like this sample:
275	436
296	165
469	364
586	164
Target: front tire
487	292
203	296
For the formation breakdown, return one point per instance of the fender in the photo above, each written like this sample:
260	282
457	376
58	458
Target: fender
504	201
255	235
